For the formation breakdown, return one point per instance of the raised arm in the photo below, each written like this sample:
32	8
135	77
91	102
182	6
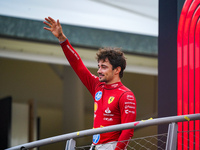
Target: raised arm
72	56
55	28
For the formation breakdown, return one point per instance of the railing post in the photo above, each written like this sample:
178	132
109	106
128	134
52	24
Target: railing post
70	145
172	137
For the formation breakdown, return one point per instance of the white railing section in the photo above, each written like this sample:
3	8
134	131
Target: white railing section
171	138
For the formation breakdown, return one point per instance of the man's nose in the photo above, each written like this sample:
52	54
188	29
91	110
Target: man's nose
99	70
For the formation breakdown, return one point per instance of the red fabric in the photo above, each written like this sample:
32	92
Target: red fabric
113	104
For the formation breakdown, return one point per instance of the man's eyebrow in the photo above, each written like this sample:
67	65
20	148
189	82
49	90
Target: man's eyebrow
103	65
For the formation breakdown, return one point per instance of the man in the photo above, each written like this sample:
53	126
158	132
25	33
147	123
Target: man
113	102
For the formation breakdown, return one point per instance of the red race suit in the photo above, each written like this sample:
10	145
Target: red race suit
113	104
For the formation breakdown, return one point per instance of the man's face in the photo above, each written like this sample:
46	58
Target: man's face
105	71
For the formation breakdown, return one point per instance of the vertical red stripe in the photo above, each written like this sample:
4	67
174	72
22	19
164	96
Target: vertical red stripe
179	76
179	94
197	85
192	50
185	89
187	72
192	63
180	67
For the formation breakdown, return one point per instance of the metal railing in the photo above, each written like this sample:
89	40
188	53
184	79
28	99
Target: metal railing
170	143
153	142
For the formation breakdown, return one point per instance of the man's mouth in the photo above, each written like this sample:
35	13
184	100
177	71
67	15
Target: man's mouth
101	75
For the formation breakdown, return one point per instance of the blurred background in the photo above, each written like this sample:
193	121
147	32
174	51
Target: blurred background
44	96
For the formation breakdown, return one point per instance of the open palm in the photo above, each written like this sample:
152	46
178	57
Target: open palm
54	26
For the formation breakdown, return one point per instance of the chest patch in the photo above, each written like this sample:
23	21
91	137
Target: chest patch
111	99
98	95
96	138
95	107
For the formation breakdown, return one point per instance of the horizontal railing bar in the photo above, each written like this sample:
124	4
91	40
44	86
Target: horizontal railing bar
78	134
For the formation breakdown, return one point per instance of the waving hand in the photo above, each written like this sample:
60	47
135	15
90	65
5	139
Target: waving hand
55	28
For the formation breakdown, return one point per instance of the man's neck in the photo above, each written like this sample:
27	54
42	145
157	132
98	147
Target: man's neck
113	81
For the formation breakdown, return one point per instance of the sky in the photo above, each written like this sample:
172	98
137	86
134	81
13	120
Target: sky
132	16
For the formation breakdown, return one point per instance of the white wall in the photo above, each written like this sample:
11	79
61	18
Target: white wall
19	127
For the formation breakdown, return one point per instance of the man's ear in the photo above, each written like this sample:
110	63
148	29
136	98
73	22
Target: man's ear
117	70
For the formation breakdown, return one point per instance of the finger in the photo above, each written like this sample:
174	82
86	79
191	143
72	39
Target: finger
48	24
51	19
58	22
47	28
48	20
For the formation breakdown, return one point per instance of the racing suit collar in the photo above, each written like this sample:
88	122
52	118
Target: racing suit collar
113	86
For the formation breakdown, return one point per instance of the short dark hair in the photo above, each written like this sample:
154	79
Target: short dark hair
115	56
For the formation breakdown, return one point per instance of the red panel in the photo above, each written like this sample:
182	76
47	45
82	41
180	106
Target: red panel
192	73
196	12
180	67
197	81
188	73
185	82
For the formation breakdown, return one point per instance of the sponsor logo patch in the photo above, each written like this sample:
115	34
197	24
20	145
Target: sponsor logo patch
107	111
111	99
96	138
114	85
128	106
95	107
130	103
129	112
98	95
130	97
108	119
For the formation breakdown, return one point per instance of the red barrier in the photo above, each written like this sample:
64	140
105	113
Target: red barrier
188	75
